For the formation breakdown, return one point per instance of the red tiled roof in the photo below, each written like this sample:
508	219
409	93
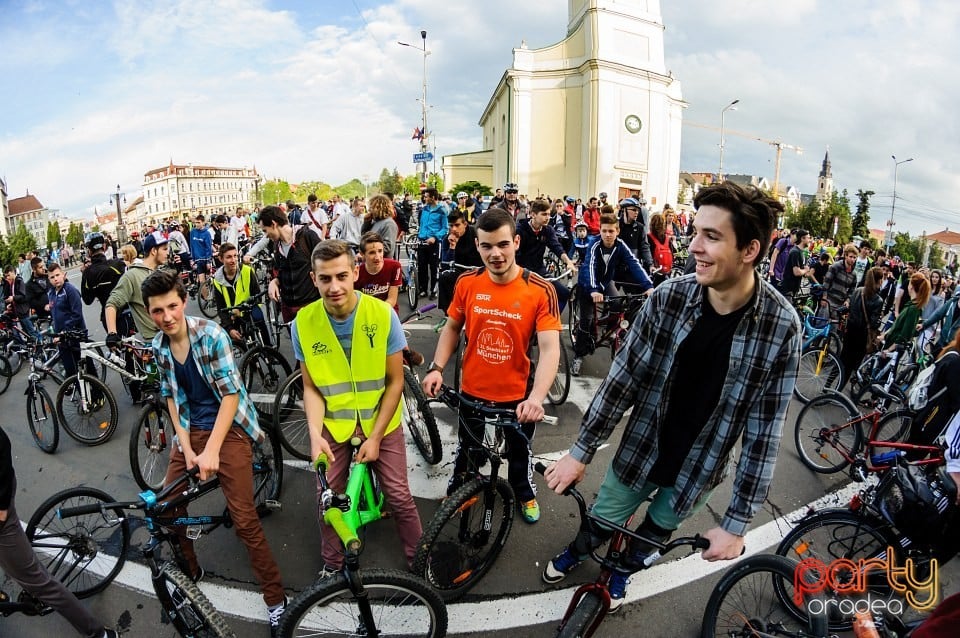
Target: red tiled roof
24	205
945	237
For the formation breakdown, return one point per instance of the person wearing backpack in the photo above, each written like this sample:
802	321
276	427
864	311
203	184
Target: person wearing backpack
660	249
941	402
950	315
291	248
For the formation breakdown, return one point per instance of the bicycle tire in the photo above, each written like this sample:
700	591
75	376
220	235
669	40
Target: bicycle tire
395	597
587	612
413	286
759	609
87	424
14	356
817	452
206	299
573	315
267	473
6	373
149	448
42	418
193	613
818	372
419	420
893	426
836	533
560	388
446	557
458	364
290	418
262	371
68	547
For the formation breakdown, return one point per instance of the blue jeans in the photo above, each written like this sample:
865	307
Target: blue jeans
28	326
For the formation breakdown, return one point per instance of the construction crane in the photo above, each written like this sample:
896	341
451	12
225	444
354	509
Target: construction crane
750	136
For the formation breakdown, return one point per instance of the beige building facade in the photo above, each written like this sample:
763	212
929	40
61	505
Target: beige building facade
595	112
188	190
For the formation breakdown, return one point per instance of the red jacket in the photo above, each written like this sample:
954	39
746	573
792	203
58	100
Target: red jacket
591	217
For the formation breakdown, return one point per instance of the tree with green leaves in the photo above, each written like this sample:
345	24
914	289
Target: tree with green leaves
53	235
75	234
275	191
411	184
861	219
470	186
389	182
818	218
435	180
22	240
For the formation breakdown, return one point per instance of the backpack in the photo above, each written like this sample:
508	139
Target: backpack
917	393
662	254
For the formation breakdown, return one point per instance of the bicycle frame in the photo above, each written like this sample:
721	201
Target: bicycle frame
616	322
88	351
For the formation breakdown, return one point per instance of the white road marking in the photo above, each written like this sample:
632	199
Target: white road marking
527	609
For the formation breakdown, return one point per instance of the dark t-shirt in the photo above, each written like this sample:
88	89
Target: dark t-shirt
203	402
378	285
791	282
700	369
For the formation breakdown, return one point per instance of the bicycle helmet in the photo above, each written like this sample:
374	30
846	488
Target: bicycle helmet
461	194
510	187
569	200
602	195
96	241
628	202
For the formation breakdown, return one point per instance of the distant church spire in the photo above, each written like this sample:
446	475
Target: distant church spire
825	180
825	169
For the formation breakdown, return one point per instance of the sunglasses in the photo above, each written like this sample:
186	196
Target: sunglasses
511	191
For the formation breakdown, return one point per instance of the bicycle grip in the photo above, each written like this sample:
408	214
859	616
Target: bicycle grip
321	460
334	518
700	542
79	510
540	468
427	308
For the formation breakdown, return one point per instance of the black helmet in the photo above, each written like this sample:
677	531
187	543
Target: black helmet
96	241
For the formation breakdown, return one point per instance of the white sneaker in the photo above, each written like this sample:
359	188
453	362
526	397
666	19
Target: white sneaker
575	366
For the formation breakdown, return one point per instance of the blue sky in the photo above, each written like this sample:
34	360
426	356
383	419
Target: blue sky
100	92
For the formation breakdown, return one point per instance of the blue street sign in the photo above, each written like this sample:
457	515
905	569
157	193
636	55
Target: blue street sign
422	157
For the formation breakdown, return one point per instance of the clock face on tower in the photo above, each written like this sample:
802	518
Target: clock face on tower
633	123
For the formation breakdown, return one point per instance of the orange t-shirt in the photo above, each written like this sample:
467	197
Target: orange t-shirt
499	321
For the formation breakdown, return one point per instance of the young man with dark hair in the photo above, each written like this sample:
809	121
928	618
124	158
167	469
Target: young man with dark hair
37	286
233	283
503	307
378	275
201	248
15	295
101	276
723	331
433	227
215	422
66	310
796	267
536	237
460	244
606	257
344	341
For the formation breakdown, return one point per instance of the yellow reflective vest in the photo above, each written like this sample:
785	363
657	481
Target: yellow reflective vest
352	390
240	288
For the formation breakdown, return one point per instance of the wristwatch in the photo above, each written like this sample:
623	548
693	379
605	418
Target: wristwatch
435	366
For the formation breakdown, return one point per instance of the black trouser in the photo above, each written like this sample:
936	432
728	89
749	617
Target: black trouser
446	282
428	259
468	463
585	325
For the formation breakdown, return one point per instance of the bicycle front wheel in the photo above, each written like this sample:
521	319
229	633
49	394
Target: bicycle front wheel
263	370
456	551
819	371
42	417
401	604
290	418
573	315
826	440
267	473
87	409
418	419
6	373
413	289
560	388
747	602
187	607
206	299
149	448
84	552
587	612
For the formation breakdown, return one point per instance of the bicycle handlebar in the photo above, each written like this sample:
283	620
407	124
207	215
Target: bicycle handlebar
504	416
418	313
334	518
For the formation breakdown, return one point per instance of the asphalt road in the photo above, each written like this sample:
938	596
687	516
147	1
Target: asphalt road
510	601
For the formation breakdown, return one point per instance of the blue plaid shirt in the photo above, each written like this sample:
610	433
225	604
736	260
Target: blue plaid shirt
210	348
764	357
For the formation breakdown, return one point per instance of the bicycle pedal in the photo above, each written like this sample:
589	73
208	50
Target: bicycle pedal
194	532
273	505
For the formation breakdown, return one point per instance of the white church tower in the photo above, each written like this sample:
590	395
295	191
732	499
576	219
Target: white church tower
595	112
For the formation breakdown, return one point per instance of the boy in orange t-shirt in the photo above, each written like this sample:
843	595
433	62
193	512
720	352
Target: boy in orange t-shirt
501	308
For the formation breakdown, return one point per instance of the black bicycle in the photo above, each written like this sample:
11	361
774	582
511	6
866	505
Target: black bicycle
84	533
352	602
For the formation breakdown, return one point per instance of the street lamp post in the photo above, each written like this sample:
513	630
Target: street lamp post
893	205
729	107
423	103
121	229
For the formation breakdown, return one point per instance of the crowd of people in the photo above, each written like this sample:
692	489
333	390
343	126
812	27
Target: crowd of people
729	332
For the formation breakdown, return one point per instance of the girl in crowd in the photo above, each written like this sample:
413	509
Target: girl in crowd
904	329
866	310
660	249
381	222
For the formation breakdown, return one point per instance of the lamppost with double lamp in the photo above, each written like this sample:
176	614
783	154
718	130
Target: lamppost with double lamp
729	107
121	229
893	205
423	103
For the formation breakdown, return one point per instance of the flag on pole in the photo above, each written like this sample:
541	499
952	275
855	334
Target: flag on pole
417	134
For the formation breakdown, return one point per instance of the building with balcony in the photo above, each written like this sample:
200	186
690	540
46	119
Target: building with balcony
187	190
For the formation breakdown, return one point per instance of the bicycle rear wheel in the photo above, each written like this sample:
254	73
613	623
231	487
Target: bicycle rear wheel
42	417
418	419
588	612
560	388
819	371
290	419
747	602
413	287
267	473
262	370
85	552
455	551
149	448
193	614
573	315
87	409
402	604
825	439
206	299
6	373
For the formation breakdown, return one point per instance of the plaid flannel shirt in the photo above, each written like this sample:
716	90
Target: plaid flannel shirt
753	403
210	348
